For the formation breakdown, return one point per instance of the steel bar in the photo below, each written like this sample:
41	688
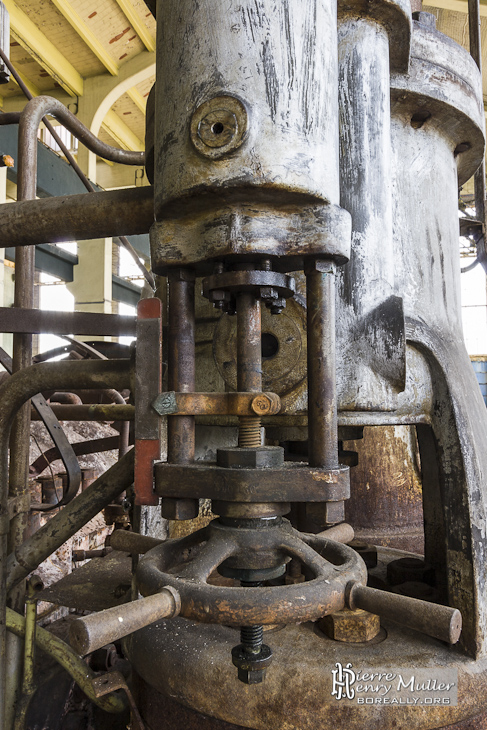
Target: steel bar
132	542
77	217
217	404
66	657
38	321
91	632
80	448
9	118
181	378
91	412
181	363
249	362
71	519
322	403
441	622
340	533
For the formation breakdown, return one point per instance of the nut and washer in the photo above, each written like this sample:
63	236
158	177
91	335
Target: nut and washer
219	126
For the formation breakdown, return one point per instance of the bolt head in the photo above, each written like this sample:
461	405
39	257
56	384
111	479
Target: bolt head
350	626
251	676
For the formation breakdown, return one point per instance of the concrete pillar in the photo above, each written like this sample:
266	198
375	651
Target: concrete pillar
92	284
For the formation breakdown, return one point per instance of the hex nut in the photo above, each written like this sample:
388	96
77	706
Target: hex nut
350	626
409	569
262	457
219	126
367	552
251	667
179	509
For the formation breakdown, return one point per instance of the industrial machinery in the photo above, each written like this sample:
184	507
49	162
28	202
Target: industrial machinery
305	163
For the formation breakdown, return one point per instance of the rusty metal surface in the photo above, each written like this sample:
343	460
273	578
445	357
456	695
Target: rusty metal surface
332	565
112	681
217	404
80	448
171	655
132	542
294	482
92	632
322	395
93	412
164	713
385	505
78	217
95	586
350	626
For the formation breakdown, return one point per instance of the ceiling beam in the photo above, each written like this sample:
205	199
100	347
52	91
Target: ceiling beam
459	6
85	32
30	85
137	24
138	99
43	51
121	133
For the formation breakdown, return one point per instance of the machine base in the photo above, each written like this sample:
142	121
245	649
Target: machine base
183	660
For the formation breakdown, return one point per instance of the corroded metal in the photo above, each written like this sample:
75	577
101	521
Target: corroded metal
99	629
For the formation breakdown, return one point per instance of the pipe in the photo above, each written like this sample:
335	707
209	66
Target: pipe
13	394
88	185
249	363
322	400
71	519
181	378
65	656
36	109
9	118
91	412
78	217
28	680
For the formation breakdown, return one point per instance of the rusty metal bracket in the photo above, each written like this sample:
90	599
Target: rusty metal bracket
148	381
60	440
217	404
112	681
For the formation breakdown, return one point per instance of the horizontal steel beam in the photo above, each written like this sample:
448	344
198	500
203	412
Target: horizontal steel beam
37	321
77	217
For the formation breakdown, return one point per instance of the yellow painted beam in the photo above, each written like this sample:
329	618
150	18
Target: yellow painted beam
25	32
85	32
137	24
118	130
459	6
30	85
138	99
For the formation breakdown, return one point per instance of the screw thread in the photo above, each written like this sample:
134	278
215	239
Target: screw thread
249	432
251	638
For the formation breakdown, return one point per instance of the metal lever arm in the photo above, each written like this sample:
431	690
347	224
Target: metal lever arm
441	622
91	632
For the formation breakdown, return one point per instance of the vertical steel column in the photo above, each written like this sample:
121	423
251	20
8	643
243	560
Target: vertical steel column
322	400
249	362
181	378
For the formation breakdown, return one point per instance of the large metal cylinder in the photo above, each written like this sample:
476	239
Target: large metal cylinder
246	140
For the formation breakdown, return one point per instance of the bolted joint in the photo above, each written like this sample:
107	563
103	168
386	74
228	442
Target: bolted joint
323	266
251	667
179	509
268	294
277	306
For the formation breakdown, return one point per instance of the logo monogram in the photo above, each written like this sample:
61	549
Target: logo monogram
343	679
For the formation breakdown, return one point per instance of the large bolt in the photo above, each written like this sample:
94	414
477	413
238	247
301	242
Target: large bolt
350	626
251	656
